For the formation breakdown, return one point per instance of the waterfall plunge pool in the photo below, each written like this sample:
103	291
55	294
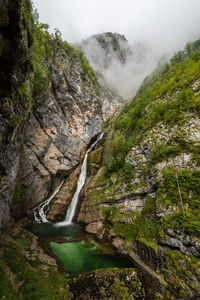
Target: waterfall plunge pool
76	250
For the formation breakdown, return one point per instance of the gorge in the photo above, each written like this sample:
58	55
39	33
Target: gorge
137	221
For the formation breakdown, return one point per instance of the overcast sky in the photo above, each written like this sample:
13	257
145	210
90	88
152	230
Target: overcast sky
164	23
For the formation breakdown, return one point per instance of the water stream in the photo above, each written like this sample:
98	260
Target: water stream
76	250
81	181
42	209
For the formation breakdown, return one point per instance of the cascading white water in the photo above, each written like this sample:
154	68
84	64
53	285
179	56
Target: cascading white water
80	184
41	210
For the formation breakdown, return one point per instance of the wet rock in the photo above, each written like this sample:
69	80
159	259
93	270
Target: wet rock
96	228
154	258
14	109
63	198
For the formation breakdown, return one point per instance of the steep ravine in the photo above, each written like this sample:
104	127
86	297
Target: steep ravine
142	191
51	108
69	108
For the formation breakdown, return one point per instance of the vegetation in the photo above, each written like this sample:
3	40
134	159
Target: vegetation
152	140
47	48
179	270
6	289
168	98
25	276
165	96
17	192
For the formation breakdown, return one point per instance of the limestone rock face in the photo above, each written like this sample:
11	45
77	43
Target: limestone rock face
14	107
63	122
111	100
144	197
51	108
185	243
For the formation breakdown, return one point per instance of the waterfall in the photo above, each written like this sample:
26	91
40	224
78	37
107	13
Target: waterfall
81	181
41	210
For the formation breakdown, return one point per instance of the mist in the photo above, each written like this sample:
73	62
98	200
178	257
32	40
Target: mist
153	28
125	68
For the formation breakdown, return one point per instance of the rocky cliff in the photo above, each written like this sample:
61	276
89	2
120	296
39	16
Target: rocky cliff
25	270
122	64
52	106
143	190
66	115
16	26
112	47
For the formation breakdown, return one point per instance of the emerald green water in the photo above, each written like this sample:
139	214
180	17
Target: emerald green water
76	250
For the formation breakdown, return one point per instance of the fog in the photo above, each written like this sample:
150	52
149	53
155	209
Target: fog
153	28
123	69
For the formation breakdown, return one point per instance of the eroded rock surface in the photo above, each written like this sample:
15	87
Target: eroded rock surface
63	123
14	107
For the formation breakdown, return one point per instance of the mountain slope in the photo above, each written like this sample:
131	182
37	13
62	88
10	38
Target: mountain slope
143	189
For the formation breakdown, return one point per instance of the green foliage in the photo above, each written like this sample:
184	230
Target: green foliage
6	289
189	184
17	192
35	283
118	151
150	244
39	84
167	195
88	73
179	272
24	93
165	96
28	18
146	225
14	122
119	291
47	47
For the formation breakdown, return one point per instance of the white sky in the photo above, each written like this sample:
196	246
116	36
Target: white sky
163	23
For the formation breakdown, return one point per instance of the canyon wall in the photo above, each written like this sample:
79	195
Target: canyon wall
15	108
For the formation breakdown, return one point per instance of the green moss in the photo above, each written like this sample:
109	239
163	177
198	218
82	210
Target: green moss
88	73
150	244
36	283
115	161
23	242
14	122
167	195
29	20
17	192
146	225
179	271
25	94
119	291
6	289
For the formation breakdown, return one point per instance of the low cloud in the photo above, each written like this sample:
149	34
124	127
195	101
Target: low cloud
124	67
160	26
